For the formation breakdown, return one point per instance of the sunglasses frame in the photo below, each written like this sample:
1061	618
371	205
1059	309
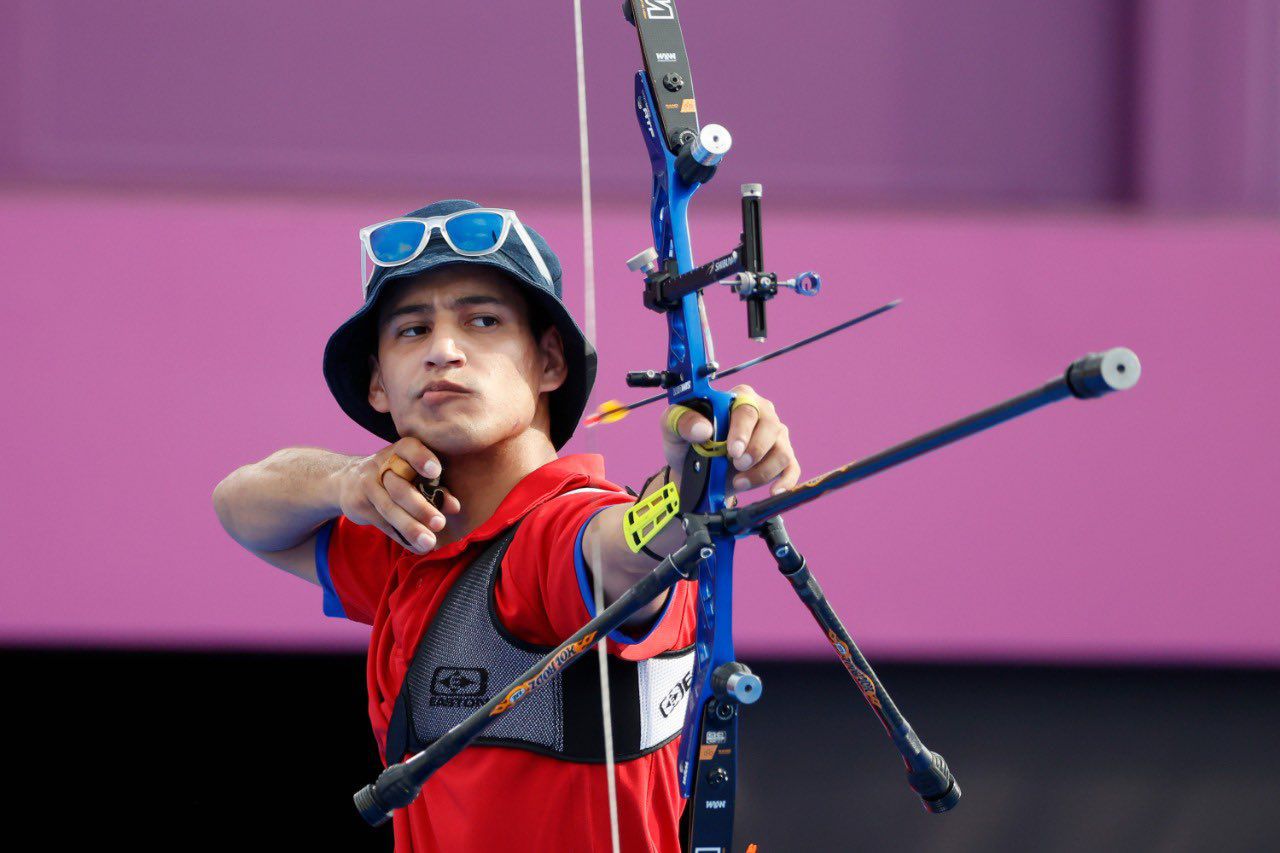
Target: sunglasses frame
509	221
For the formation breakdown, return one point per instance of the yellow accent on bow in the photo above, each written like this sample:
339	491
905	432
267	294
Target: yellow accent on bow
649	515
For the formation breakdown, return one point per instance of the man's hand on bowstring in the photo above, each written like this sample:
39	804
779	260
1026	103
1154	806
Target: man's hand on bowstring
758	446
379	490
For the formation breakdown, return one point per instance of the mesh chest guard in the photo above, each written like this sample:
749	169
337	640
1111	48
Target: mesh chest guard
466	654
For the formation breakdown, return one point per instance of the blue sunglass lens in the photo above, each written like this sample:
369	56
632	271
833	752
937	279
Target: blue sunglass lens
475	232
396	242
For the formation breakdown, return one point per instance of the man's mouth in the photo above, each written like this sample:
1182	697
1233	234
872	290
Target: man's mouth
436	392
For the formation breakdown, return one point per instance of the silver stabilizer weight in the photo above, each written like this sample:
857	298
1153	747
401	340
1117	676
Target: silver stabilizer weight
712	144
735	681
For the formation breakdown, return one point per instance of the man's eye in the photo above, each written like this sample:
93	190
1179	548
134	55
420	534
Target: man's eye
409	329
485	320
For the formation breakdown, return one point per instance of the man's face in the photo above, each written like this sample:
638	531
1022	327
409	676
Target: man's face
457	365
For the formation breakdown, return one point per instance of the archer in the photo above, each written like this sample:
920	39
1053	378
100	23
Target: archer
471	548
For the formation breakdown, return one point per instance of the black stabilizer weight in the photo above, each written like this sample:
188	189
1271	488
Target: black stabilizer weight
394	789
938	789
1100	373
370	809
688	166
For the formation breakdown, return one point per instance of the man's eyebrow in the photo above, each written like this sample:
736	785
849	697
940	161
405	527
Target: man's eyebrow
423	308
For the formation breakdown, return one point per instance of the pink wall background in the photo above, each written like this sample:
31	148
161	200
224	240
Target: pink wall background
1168	104
184	337
180	187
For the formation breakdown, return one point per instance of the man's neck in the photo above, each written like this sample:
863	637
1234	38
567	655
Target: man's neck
481	480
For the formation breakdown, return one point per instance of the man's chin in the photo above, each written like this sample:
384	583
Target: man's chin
449	439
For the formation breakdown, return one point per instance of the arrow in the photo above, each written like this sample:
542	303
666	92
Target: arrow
613	411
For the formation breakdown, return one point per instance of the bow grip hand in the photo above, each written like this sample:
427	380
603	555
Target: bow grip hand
757	445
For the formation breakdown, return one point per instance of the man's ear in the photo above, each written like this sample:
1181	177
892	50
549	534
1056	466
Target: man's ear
377	392
555	368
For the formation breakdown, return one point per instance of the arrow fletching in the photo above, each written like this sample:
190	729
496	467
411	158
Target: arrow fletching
608	412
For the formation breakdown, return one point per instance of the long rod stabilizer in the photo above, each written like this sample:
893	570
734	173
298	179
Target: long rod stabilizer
1094	375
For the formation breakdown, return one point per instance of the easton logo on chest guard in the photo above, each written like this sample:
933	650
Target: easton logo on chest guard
458	687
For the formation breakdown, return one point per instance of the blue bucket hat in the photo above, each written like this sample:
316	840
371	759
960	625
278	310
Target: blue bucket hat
346	368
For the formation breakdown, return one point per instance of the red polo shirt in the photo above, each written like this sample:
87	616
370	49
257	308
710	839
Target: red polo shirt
497	798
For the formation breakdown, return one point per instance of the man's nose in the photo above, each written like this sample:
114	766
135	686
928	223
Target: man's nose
444	352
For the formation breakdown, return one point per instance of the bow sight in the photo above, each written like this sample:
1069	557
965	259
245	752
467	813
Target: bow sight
741	269
683	156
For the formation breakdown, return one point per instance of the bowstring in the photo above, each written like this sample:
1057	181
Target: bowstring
589	316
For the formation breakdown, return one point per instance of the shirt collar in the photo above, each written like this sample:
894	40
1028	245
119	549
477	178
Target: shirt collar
573	471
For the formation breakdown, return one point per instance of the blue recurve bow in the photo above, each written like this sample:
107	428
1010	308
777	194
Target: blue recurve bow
684	155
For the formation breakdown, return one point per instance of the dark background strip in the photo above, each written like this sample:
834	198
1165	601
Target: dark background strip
178	751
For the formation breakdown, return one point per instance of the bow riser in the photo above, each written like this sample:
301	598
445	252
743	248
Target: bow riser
689	346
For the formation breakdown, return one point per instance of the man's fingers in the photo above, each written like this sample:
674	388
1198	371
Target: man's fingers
452	506
773	464
420	538
375	519
689	426
413	501
405	528
763	441
788	478
743	423
419	457
391	533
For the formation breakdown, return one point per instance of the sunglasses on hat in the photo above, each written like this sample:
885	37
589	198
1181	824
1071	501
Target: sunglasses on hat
473	232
